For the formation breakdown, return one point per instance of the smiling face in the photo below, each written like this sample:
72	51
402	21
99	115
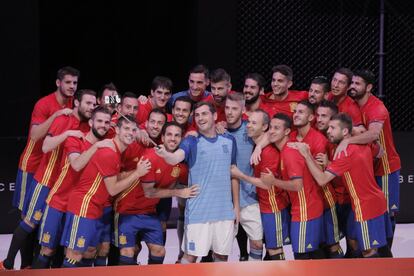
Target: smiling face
280	84
160	96
277	130
181	112
316	93
129	106
100	124
323	116
86	106
255	125
197	83
172	138
219	91
126	132
251	90
204	118
302	116
233	111
154	124
67	86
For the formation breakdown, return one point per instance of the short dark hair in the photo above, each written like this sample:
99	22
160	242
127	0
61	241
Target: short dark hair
287	121
308	105
236	96
168	124
210	106
365	74
67	70
125	118
258	78
185	99
219	75
158	111
202	69
162	82
345	71
101	109
329	104
80	93
128	94
110	86
323	81
284	70
345	121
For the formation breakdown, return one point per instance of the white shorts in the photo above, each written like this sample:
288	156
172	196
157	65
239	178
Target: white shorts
218	236
251	221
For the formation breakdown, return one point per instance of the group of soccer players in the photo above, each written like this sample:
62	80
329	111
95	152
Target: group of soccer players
305	168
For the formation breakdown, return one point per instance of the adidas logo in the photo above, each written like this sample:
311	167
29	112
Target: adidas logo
375	242
287	240
158	171
309	246
394	207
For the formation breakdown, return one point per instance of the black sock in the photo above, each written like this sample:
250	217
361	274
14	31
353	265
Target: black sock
339	254
57	259
155	259
27	250
113	256
318	254
242	242
87	262
354	254
124	260
164	236
19	238
42	261
302	256
277	257
385	252
208	258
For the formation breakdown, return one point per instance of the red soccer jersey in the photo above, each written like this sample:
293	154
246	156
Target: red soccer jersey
133	200
287	106
88	198
356	169
307	204
48	170
350	107
58	196
374	110
318	144
275	199
341	192
143	112
43	109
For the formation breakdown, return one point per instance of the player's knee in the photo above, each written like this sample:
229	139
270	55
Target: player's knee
156	250
90	253
104	249
127	251
46	251
257	244
28	222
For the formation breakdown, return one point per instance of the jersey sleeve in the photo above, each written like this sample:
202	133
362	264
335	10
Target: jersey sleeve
378	114
295	164
106	160
73	145
41	113
58	126
340	165
188	145
269	161
355	114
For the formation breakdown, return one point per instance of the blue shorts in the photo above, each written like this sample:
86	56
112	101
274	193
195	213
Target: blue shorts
276	228
22	188
51	228
371	233
105	224
342	212
80	233
129	225
331	226
33	210
390	185
306	236
164	209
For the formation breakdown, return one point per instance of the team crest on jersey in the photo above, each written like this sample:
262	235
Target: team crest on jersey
158	170
287	240
175	172
46	238
81	242
38	215
225	148
122	239
293	106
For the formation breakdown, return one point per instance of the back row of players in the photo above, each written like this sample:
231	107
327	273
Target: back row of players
239	157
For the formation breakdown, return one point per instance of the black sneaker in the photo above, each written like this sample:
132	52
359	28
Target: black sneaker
243	258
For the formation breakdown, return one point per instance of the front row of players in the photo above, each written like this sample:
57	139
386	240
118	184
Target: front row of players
292	207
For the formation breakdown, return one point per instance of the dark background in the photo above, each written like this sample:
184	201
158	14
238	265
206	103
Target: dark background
130	42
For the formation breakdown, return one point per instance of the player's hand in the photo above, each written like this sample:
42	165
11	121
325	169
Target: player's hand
341	149
268	178
65	111
143	99
255	158
75	133
160	150
221	127
303	148
381	150
235	171
189	192
143	166
322	159
106	143
144	137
